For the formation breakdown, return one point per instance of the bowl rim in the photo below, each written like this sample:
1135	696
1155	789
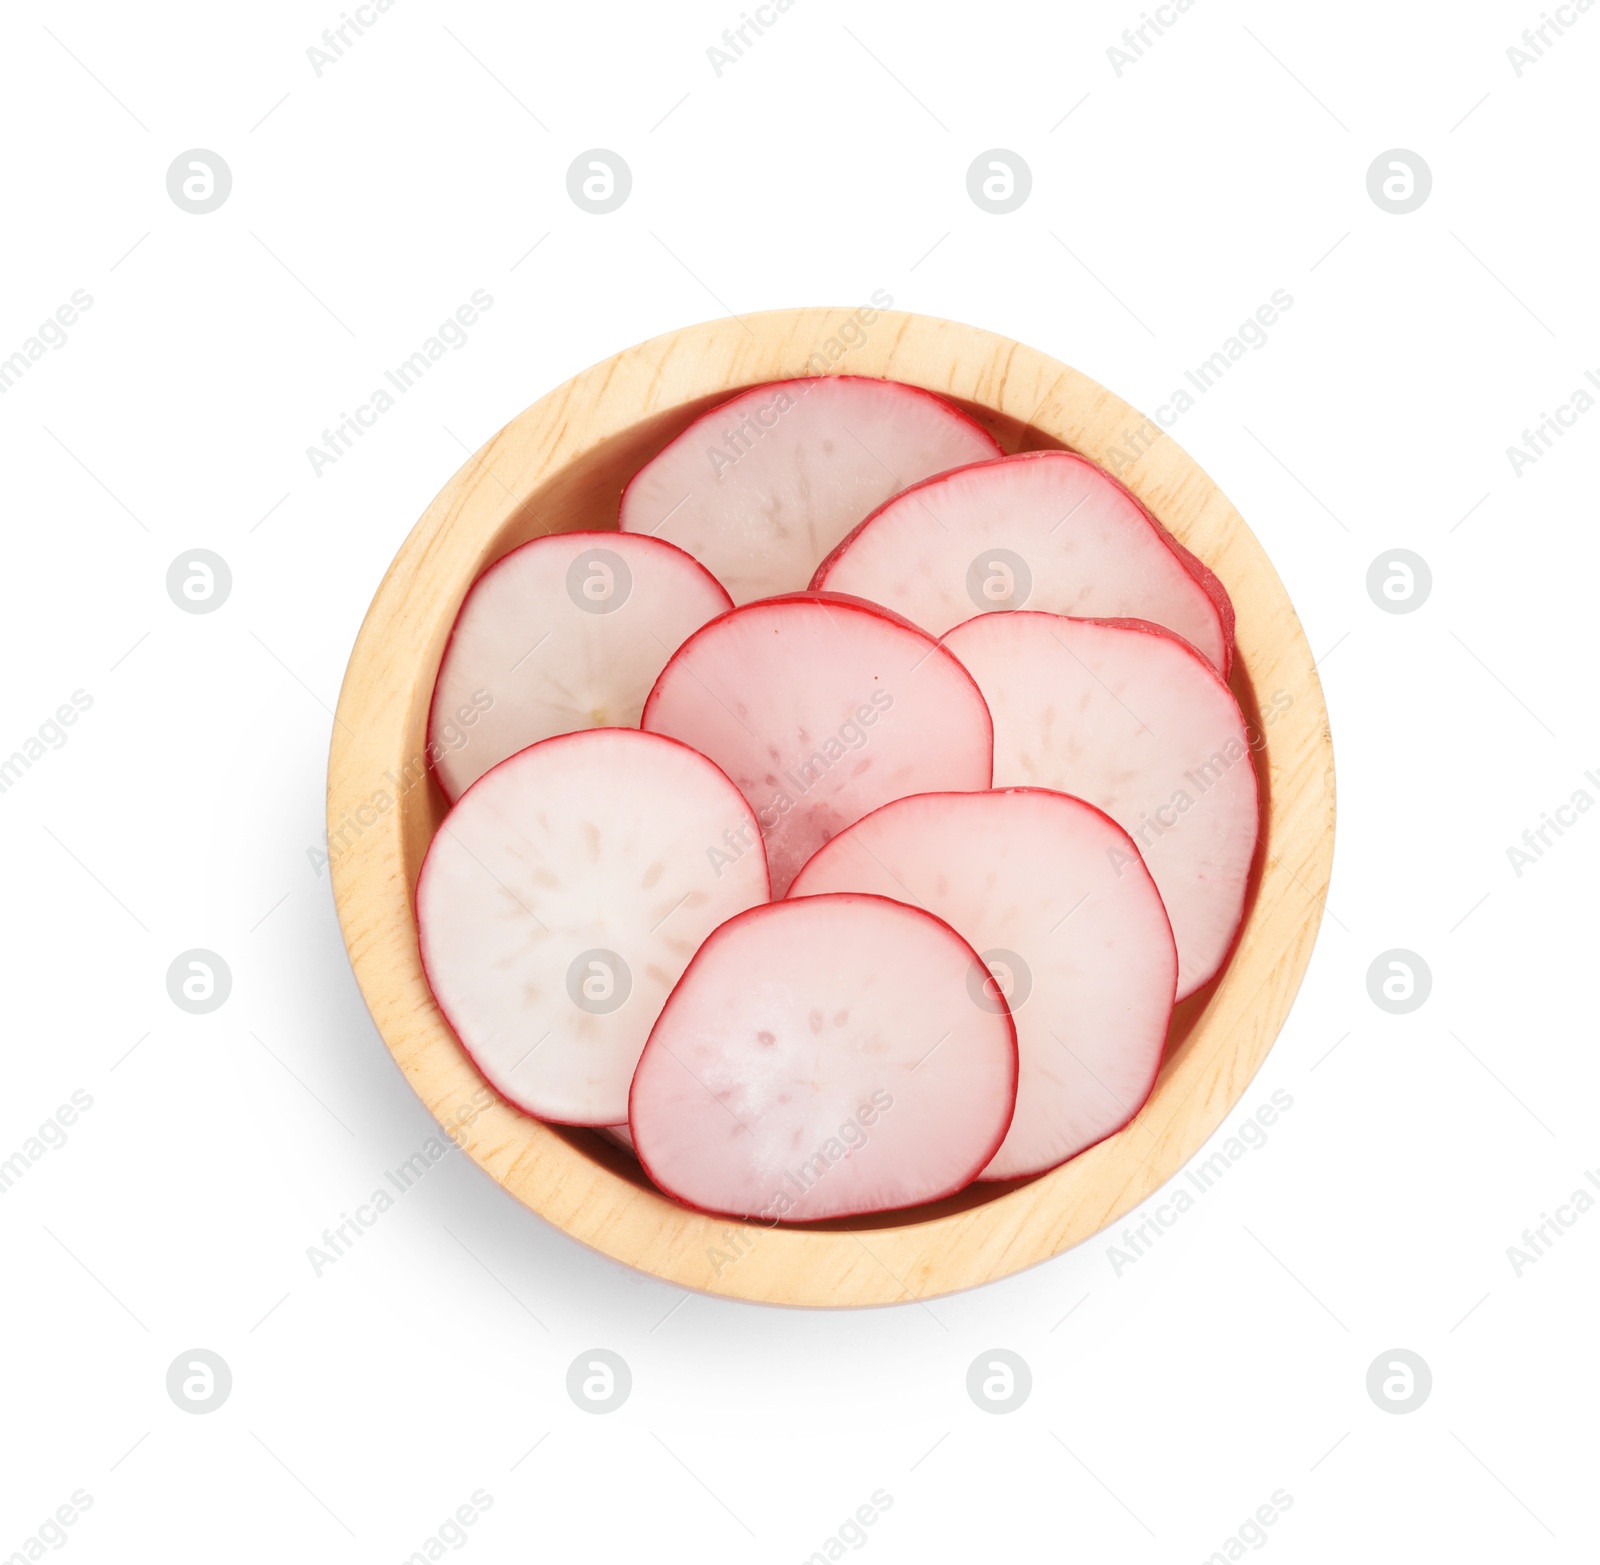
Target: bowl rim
382	800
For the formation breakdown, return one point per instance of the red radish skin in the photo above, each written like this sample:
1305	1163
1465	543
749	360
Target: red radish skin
819	1059
1130	717
1082	952
562	898
561	635
821	708
1044	530
760	488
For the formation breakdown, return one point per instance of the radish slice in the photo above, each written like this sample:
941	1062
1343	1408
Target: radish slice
619	1134
823	1058
562	898
1124	714
563	634
1081	952
761	487
821	708
1042	530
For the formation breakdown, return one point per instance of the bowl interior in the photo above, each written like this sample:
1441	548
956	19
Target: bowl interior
583	495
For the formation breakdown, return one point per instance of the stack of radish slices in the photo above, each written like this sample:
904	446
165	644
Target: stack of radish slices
844	827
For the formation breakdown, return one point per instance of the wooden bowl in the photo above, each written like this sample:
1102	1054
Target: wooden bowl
560	466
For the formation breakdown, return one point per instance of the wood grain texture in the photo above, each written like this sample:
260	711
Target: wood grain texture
560	466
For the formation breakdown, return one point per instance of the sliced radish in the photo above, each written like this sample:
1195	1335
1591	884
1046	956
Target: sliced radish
821	708
563	634
1071	935
1128	716
1042	530
823	1058
562	898
764	485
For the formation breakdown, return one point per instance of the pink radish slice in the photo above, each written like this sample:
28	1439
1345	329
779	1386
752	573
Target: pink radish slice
1042	530
822	1058
761	487
563	634
821	708
1080	950
562	898
1124	714
620	1134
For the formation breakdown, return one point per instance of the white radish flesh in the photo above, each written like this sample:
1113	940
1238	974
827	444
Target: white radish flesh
760	488
1042	530
563	634
821	1058
1129	717
562	898
821	708
1073	939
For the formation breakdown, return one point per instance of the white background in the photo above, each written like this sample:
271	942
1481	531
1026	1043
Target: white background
1167	204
